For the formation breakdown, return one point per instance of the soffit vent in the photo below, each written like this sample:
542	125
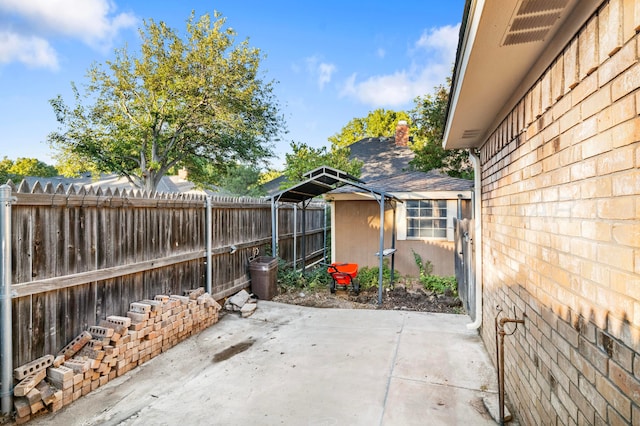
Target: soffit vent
468	134
533	21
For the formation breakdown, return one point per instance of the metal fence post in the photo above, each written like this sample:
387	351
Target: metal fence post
274	228
209	221
324	236
295	236
6	353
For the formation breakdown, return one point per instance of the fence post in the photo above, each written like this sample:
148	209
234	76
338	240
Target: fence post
274	228
295	236
324	235
6	377
209	225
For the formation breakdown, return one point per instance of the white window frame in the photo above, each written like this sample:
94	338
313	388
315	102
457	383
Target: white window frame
452	211
421	207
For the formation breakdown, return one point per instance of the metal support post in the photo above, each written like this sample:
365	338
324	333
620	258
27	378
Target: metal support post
324	236
209	220
381	253
295	236
6	327
274	228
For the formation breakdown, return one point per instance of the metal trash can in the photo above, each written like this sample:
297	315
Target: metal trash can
264	274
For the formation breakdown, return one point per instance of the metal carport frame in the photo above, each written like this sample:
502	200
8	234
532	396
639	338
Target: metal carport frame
320	181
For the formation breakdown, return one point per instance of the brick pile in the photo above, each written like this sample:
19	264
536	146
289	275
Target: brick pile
115	346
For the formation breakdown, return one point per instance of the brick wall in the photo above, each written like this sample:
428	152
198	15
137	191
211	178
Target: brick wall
561	209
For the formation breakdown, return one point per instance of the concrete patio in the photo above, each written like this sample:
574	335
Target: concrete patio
292	365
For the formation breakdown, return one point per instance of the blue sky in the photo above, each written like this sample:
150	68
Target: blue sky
333	60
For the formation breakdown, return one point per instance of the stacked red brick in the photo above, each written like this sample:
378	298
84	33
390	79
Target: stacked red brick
110	349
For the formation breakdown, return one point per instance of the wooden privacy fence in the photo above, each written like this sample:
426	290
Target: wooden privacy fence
465	264
79	255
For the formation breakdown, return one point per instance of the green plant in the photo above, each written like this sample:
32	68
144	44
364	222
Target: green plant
426	267
369	276
435	283
440	284
313	278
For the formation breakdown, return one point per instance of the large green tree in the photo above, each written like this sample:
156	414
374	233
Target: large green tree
428	118
377	123
242	180
304	158
186	102
23	167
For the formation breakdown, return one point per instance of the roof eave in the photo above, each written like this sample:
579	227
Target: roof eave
482	93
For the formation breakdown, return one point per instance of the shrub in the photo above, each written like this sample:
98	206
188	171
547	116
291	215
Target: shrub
440	284
368	276
312	278
432	282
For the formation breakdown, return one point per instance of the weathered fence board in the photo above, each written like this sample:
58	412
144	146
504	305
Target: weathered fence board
80	256
465	263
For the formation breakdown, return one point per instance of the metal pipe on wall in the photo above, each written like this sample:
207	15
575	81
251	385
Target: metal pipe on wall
6	331
500	334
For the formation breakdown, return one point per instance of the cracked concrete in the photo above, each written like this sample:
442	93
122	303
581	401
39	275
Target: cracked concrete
295	365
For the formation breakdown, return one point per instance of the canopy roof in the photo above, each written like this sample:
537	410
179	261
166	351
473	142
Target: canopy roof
320	181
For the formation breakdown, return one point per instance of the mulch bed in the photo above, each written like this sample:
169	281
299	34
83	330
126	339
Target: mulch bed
398	298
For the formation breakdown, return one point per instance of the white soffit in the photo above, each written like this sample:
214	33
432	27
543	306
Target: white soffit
505	49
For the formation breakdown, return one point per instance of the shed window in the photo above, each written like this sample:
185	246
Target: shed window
426	219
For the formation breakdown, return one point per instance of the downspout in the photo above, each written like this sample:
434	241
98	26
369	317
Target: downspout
6	327
477	221
209	221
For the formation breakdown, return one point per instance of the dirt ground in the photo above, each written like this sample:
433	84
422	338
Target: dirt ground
405	296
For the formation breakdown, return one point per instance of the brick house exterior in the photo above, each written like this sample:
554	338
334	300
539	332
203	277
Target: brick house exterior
559	166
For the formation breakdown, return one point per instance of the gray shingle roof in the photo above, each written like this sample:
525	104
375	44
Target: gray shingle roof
413	181
381	157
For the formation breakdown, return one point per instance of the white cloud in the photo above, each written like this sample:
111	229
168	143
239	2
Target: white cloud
443	40
94	22
431	60
381	53
385	90
32	51
325	71
322	72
